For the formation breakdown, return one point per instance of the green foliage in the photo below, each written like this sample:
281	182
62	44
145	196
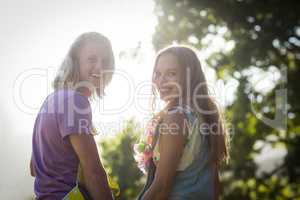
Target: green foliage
117	156
265	34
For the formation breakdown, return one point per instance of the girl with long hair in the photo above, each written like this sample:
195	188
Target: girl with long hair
63	142
185	143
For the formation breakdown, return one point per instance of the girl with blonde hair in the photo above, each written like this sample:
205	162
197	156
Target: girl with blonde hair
62	136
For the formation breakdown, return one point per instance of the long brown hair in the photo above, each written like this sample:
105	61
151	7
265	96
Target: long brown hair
193	83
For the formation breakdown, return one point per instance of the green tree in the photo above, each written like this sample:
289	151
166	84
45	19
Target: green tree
117	156
266	36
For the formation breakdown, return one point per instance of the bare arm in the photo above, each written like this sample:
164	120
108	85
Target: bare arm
171	144
93	171
32	172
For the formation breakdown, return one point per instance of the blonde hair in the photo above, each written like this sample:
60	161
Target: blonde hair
68	73
188	60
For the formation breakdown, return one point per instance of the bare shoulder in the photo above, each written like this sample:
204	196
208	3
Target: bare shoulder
173	122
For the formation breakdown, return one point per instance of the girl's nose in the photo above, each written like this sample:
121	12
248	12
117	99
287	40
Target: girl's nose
164	78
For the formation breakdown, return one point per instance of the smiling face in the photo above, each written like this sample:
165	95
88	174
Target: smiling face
166	77
93	59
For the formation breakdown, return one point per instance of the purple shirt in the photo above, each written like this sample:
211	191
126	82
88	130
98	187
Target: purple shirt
64	112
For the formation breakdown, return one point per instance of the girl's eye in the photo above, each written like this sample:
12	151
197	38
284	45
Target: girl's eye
171	73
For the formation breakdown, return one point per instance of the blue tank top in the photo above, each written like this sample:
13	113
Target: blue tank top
196	181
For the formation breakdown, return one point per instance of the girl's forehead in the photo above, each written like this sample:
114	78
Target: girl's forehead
167	61
94	48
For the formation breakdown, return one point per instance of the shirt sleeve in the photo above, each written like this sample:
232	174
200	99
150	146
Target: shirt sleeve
76	116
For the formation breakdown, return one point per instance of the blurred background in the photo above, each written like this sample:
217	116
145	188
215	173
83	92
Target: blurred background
250	52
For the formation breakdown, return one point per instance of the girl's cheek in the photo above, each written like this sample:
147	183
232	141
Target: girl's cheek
176	80
155	83
172	79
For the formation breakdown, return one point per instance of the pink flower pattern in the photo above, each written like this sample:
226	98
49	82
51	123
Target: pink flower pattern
143	150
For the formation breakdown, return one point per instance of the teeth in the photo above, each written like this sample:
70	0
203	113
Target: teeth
164	90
